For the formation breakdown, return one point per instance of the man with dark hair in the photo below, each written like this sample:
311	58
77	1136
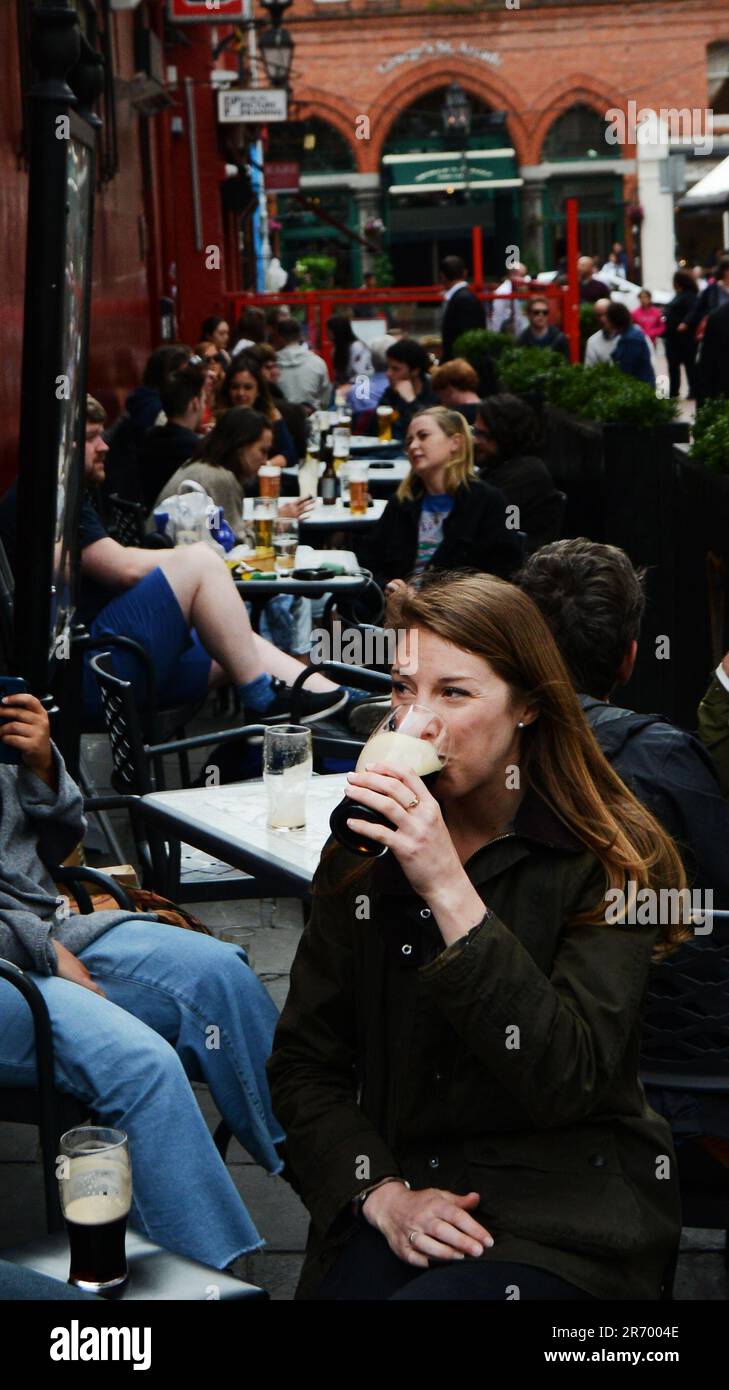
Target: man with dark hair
631	352
409	389
592	599
304	376
166	447
462	310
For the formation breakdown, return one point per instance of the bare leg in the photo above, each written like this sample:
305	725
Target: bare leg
210	603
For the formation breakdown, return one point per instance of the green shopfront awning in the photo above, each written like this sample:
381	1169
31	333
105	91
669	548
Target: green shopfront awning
436	173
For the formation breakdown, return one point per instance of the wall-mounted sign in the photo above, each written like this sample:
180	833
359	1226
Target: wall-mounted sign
440	48
205	11
282	176
258	104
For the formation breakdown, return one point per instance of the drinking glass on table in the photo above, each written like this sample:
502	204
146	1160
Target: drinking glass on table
358	476
384	423
269	481
95	1184
285	543
340	456
287	768
264	515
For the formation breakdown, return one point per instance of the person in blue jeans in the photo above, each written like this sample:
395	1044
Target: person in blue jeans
138	1009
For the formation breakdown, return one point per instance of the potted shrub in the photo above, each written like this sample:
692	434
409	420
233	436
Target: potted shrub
526	371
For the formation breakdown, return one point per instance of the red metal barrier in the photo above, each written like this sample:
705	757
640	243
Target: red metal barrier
321	304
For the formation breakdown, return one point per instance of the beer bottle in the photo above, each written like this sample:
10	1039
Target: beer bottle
329	477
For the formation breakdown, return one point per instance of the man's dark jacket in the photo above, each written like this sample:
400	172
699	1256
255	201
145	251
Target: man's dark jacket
475	536
554	339
633	355
462	312
713	364
392	1057
672	773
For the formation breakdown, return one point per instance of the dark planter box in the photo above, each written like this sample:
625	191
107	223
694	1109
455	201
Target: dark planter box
702	578
574	457
623	488
641	515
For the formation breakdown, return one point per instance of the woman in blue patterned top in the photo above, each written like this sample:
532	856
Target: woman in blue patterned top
442	517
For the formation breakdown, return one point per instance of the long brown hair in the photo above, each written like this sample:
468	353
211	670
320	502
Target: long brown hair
559	757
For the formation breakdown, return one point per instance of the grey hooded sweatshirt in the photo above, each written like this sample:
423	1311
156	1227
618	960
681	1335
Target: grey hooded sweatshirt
304	376
38	829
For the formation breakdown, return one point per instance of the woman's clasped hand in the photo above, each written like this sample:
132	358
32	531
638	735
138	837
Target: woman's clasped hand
427	1225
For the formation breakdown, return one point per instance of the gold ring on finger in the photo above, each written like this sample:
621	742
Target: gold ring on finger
412	1236
412	804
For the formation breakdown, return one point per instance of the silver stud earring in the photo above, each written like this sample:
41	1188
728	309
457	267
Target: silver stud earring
520	725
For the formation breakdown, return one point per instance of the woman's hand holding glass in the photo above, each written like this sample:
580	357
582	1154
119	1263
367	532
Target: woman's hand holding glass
427	1225
420	839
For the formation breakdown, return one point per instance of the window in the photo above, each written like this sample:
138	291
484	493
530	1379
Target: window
313	144
579	133
717	56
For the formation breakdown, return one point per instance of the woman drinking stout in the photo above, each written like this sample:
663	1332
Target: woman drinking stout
456	1066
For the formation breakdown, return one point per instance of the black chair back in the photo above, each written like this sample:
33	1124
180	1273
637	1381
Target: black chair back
126	523
133	772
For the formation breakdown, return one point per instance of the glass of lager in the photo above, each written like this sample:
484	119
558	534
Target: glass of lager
95	1183
358	474
264	515
285	544
384	423
410	736
269	481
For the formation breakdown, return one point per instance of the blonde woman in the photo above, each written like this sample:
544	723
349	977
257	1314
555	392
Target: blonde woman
442	516
456	1066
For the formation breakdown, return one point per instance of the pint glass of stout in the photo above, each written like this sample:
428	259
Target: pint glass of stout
95	1182
410	736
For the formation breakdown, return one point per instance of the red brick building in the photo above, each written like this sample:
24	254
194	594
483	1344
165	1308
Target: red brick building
173	216
546	70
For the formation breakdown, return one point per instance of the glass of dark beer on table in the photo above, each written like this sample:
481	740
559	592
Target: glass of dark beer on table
95	1183
409	737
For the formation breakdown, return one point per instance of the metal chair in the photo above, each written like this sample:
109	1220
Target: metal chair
51	1110
139	769
126	520
685	1053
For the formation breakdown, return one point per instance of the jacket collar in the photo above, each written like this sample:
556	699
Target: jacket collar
535	823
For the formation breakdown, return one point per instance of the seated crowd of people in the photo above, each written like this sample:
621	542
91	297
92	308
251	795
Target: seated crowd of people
438	1158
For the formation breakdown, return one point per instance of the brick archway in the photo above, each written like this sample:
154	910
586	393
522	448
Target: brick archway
578	90
395	98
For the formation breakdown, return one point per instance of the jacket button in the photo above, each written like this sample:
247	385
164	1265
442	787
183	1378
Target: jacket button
434	1163
437	1076
406	949
598	1160
425	913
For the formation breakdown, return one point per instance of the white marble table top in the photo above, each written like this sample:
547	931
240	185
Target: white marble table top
234	816
336	516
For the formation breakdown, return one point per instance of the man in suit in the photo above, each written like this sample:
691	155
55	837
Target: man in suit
462	309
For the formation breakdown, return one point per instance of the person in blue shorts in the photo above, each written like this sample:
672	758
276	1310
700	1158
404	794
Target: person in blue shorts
182	606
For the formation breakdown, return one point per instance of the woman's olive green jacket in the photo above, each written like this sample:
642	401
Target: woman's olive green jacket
505	1064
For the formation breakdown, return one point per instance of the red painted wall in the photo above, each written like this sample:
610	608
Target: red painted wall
120	330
